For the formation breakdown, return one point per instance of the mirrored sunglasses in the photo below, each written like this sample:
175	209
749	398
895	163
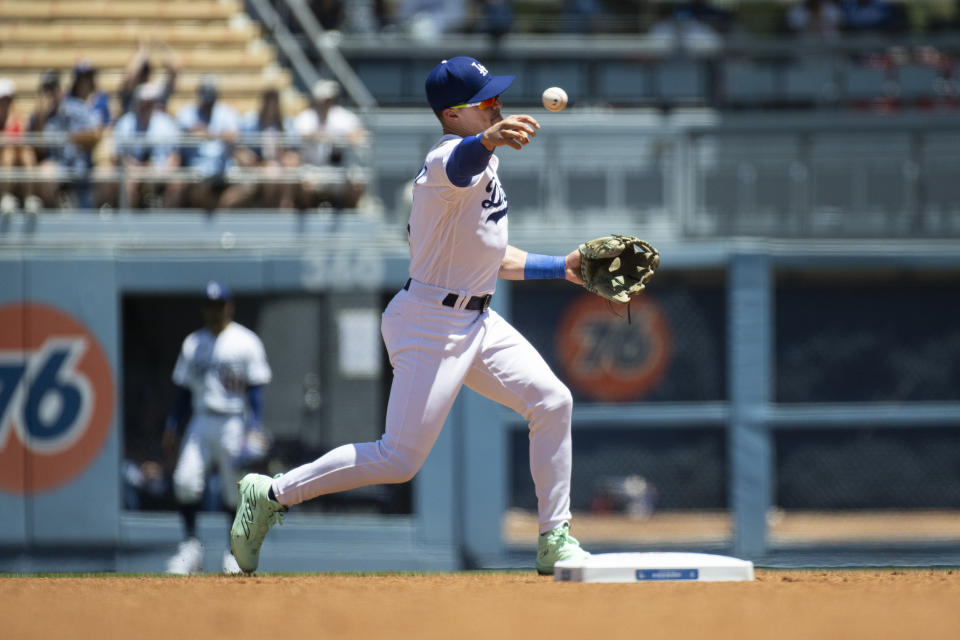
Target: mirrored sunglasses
483	104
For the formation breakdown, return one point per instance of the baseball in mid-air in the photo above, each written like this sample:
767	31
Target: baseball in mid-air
554	99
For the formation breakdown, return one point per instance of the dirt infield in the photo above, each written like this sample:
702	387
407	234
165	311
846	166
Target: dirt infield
778	604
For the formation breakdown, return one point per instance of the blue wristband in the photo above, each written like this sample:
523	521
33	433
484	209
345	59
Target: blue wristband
541	267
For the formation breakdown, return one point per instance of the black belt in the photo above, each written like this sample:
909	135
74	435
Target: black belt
476	303
219	414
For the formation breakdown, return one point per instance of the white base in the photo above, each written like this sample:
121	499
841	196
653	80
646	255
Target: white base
654	567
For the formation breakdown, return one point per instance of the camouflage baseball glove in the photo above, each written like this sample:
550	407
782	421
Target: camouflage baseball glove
617	267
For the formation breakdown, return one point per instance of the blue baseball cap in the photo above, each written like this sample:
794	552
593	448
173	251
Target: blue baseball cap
216	292
462	80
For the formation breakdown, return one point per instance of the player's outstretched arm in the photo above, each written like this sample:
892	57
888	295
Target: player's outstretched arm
517	264
513	131
511	267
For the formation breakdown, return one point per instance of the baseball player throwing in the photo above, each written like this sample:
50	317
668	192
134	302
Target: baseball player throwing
219	375
440	333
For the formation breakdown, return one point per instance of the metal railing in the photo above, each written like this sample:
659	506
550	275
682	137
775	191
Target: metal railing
285	41
326	46
695	175
707	174
154	175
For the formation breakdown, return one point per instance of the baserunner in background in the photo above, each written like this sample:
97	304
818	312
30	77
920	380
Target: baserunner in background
219	375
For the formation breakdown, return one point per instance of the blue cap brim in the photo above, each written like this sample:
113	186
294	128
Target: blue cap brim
496	86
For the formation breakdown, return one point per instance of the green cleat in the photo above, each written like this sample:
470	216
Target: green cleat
555	545
256	513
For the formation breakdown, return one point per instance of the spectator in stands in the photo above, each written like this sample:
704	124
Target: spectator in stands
427	19
693	25
271	154
330	135
14	155
583	16
494	18
704	12
329	13
364	16
74	129
872	16
216	124
947	19
84	88
139	70
815	18
146	138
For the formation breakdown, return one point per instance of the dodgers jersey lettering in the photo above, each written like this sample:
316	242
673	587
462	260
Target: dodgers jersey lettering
458	235
218	368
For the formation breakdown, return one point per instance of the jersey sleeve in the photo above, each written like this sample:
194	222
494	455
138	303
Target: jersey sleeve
258	369
436	165
181	370
468	159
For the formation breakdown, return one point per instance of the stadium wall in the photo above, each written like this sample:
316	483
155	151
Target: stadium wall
64	279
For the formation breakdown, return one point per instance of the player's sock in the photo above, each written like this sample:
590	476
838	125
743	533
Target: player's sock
189	514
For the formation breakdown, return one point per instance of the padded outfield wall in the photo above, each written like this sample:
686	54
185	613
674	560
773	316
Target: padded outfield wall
760	375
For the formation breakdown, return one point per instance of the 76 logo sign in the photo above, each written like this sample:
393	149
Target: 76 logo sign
56	398
43	397
606	358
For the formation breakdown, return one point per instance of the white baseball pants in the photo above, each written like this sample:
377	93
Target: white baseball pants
434	350
211	440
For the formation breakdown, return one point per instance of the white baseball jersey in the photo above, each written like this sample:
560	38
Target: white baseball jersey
218	368
458	235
